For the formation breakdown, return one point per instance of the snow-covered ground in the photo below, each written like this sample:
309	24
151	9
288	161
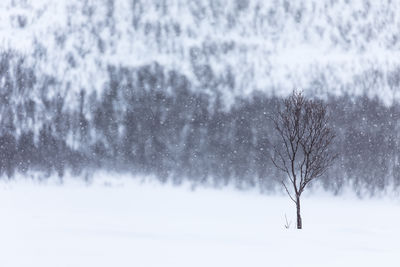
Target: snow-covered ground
120	222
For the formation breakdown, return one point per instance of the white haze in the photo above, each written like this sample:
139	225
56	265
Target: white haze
116	221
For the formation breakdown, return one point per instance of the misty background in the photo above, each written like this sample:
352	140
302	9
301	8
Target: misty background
182	89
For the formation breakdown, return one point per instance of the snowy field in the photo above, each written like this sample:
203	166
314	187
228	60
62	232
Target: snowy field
121	222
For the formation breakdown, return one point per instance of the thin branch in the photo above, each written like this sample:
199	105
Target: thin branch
287	191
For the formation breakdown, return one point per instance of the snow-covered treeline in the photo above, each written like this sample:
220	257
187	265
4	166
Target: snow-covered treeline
147	120
182	89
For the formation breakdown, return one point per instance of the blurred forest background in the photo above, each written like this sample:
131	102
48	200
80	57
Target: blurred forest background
129	86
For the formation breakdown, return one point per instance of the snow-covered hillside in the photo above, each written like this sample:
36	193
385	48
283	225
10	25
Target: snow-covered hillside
119	222
234	46
140	86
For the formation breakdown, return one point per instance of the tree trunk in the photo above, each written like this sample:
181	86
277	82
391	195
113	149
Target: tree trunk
299	223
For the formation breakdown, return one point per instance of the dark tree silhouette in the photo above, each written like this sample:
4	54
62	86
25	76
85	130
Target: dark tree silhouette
303	152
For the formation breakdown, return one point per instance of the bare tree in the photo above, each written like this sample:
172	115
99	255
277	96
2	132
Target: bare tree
302	152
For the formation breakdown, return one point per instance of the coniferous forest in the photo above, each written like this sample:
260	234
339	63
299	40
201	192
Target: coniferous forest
150	121
106	86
